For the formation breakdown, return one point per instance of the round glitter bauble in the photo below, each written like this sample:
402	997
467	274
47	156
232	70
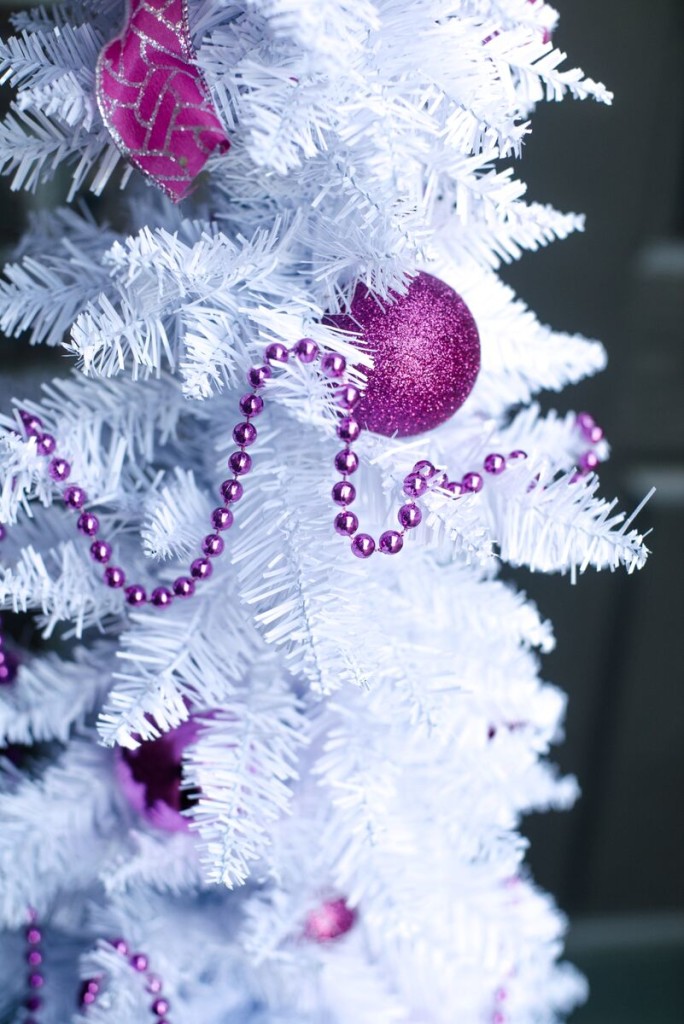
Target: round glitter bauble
426	353
9	666
329	921
150	777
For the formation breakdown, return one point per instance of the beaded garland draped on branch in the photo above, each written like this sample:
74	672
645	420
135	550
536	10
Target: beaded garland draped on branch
347	398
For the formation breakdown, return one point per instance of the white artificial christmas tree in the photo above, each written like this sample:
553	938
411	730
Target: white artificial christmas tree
362	736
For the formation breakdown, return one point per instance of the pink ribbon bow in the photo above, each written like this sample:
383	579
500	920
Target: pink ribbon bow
153	98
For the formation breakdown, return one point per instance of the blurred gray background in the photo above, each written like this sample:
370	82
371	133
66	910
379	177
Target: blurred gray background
616	862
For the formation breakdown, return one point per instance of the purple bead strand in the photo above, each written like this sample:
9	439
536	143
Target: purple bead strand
592	433
423	477
9	665
35	979
346	462
213	545
140	963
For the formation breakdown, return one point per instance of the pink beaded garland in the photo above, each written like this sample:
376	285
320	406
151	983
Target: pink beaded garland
251	405
231	491
347	396
32	424
425	469
138	962
213	545
100	551
409	516
222	518
244	433
422	478
88	524
348	429
240	463
201	569
588	461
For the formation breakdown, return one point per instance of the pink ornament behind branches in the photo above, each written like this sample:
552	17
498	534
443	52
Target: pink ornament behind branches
153	98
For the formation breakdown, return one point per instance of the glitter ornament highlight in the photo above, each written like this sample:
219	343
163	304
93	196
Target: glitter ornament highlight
329	921
426	351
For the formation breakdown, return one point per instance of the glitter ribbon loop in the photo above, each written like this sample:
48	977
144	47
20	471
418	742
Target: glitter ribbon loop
153	98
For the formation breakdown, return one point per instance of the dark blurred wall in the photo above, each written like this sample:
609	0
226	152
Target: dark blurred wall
620	639
615	863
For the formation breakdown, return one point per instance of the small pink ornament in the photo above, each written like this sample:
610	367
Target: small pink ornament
329	921
9	666
153	98
150	777
426	351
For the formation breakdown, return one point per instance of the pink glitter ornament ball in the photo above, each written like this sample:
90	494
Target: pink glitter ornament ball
329	921
426	352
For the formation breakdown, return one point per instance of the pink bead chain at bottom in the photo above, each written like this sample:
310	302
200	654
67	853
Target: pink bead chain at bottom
328	922
90	989
159	1007
423	477
8	663
498	1015
34	959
